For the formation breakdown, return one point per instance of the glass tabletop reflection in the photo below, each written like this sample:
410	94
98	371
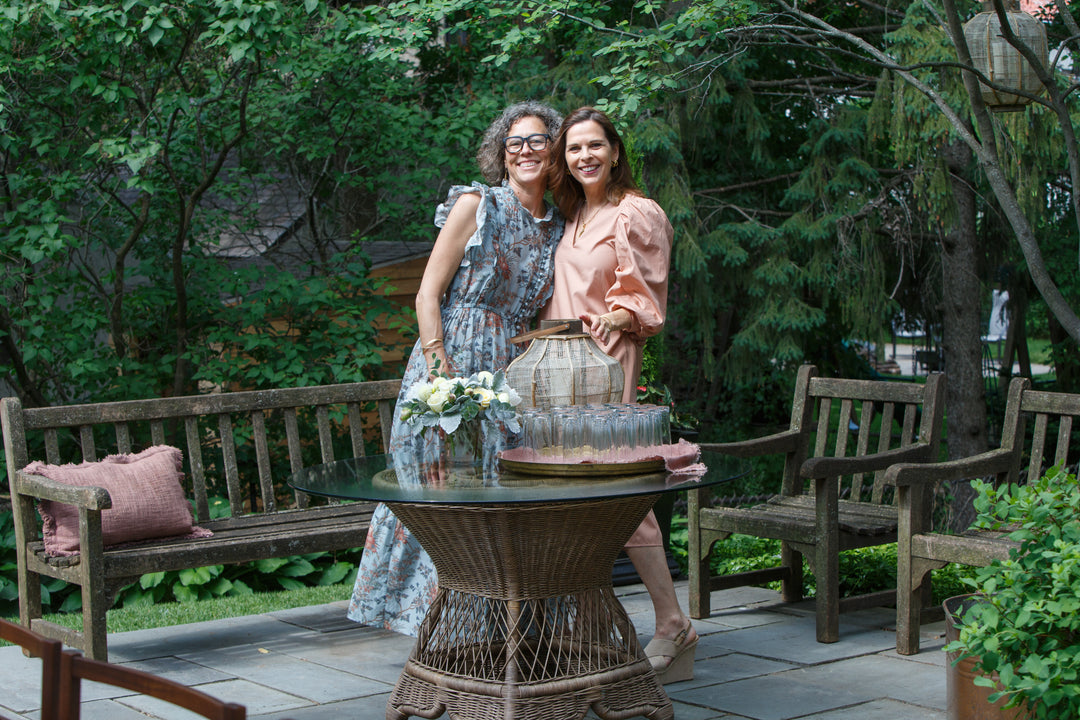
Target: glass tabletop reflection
374	478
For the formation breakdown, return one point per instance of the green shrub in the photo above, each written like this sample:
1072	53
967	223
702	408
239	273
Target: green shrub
9	586
288	573
862	570
1028	629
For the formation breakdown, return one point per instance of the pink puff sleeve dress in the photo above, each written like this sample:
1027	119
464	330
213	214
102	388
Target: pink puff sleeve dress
619	259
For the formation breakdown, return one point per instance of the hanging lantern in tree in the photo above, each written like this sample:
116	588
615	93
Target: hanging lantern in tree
999	61
566	368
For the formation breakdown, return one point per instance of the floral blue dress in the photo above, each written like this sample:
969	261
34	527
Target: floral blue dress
500	286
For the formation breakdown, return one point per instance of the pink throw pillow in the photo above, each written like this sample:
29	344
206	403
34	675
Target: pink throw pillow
147	499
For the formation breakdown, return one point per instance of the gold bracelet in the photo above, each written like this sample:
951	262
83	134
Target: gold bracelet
431	344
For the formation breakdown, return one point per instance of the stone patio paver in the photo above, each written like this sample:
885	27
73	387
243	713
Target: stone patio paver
757	660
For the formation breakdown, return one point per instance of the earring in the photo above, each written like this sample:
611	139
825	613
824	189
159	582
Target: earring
615	163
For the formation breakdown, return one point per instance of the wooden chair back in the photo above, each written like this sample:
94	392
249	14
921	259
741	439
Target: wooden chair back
1052	416
846	418
74	668
49	651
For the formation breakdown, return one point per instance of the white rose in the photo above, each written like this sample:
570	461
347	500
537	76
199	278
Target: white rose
485	377
419	391
485	396
438	400
440	384
510	397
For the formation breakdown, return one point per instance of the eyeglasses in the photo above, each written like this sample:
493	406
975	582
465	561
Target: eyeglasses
514	143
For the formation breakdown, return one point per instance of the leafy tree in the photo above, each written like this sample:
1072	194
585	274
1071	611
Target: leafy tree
941	140
762	151
807	213
138	143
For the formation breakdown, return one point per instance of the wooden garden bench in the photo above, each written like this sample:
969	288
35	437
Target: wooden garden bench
825	506
239	444
920	549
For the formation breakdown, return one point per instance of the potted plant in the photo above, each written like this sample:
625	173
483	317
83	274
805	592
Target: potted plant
1023	633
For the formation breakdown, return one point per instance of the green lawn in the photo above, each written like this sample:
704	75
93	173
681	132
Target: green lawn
1038	351
142	617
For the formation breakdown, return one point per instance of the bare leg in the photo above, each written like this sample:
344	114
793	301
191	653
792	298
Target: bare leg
652	568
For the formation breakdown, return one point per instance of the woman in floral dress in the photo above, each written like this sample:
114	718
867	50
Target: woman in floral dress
488	275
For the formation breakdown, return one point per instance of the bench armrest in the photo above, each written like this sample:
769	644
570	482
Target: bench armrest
783	442
822	467
987	463
42	488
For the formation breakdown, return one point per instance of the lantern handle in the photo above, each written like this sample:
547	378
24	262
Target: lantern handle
539	333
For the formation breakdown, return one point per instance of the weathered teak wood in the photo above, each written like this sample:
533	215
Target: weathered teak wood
74	668
845	504
920	549
215	432
49	651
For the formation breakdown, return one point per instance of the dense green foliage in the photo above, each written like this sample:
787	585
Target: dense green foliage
183	189
9	586
862	571
1028	629
139	138
187	189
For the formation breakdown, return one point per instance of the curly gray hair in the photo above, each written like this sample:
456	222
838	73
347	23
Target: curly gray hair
490	155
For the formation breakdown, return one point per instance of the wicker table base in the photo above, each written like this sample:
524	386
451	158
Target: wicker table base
526	624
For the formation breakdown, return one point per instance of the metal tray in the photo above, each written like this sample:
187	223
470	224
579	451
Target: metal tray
582	469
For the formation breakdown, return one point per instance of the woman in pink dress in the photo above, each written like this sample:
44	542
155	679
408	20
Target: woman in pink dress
611	270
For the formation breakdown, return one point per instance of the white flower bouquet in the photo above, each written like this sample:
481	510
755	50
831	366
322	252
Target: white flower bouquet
447	402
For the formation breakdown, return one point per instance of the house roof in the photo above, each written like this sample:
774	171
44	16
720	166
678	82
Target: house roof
391	252
276	235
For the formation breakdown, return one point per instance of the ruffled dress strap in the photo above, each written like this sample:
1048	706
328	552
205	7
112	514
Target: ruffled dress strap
483	214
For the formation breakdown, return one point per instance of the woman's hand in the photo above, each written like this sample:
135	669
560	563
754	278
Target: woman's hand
601	326
436	473
596	327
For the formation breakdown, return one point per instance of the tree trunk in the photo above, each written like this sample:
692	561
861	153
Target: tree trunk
1066	358
965	404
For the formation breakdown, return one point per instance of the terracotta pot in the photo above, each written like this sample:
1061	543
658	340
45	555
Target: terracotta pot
966	700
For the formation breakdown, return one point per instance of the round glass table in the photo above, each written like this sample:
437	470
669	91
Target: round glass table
525	623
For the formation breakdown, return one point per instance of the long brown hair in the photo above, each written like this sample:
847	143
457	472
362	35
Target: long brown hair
566	190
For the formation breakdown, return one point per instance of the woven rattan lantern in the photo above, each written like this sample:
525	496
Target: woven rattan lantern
566	368
1001	62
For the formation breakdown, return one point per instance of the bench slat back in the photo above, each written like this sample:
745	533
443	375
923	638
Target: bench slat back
871	416
219	434
1053	415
